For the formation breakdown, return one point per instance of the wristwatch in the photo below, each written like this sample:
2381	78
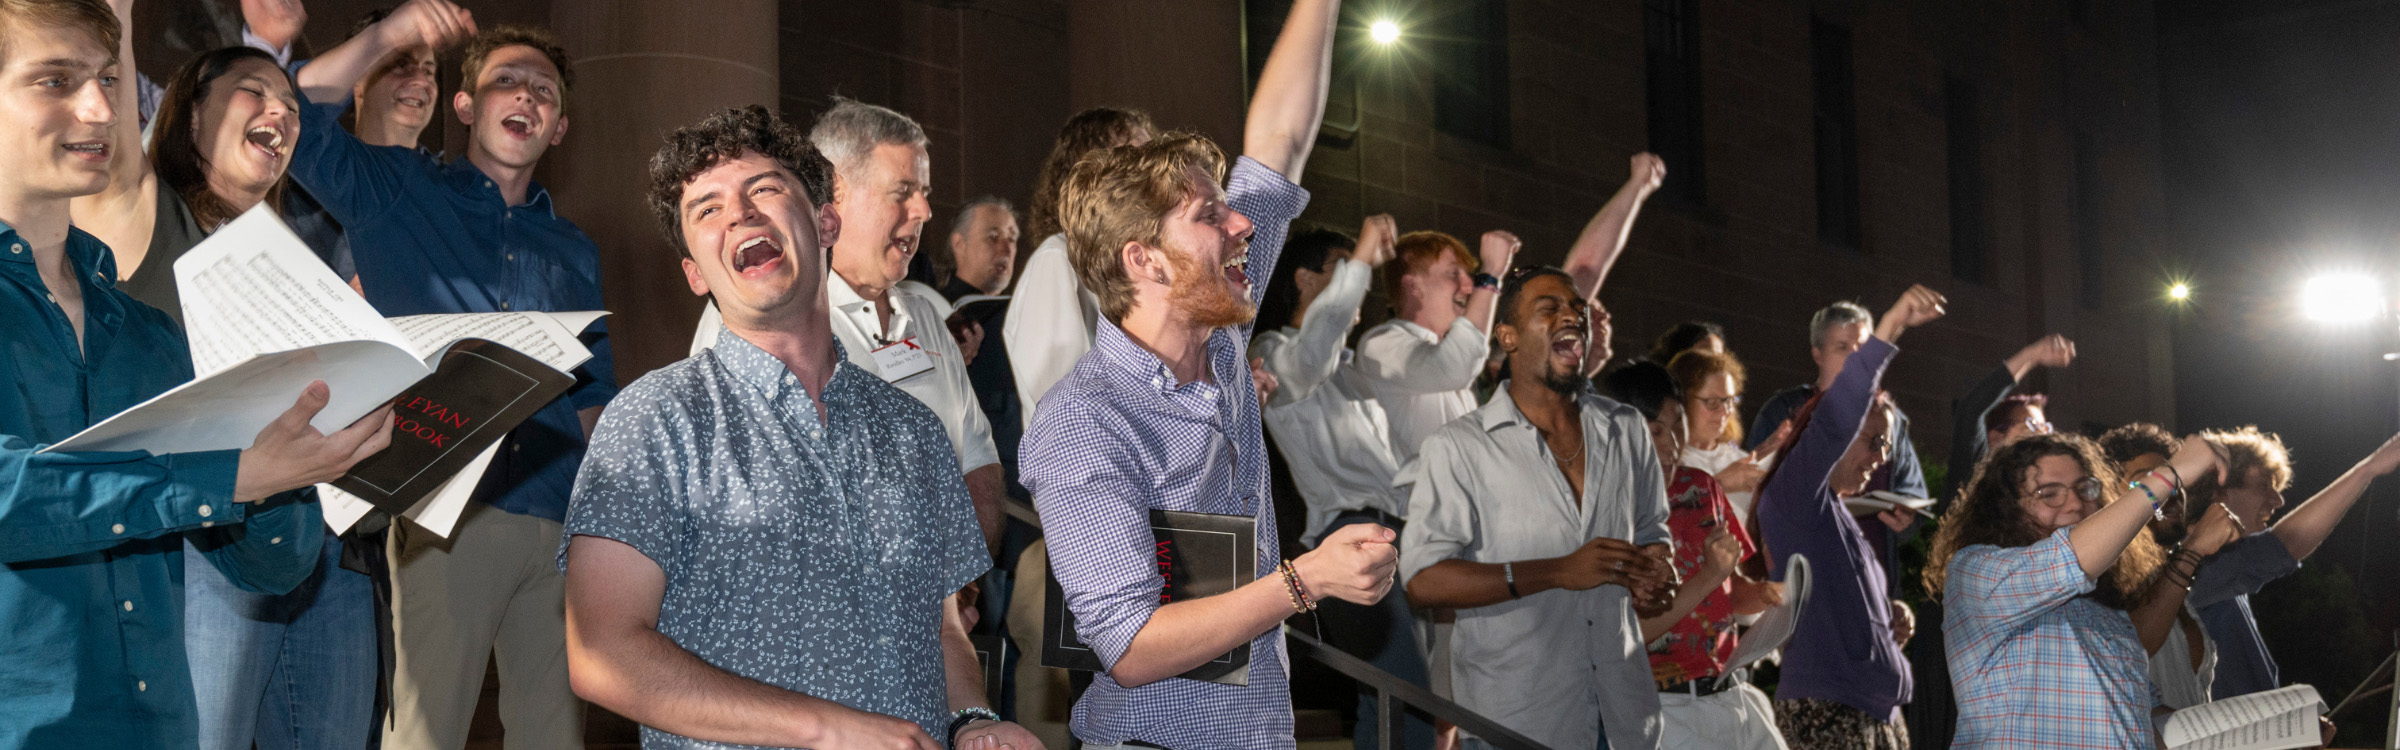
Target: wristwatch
959	720
1486	281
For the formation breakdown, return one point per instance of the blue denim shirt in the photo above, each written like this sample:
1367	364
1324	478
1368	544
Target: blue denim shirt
429	236
91	544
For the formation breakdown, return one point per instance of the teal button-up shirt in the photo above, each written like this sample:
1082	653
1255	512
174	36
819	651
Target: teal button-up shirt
91	544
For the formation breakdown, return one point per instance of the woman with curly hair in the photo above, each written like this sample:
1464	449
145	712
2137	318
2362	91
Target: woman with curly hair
2037	567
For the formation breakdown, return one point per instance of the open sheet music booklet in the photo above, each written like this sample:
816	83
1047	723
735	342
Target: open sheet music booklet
2273	720
265	318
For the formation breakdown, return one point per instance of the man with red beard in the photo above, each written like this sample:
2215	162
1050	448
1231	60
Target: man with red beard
1541	517
473	234
1161	414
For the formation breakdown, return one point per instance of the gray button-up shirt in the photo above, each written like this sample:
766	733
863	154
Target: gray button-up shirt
812	556
1556	665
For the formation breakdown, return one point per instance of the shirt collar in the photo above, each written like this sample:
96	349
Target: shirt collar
86	251
763	371
845	300
1500	411
1121	350
466	177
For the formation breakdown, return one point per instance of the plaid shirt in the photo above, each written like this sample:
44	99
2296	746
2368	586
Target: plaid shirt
2038	664
1118	437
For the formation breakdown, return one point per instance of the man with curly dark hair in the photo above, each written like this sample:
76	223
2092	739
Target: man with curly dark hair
765	544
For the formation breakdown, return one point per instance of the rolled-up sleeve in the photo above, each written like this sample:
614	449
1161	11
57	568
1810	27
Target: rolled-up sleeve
1086	485
1271	202
1441	509
2243	567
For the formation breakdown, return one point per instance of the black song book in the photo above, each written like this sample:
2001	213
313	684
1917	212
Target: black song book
1197	554
479	392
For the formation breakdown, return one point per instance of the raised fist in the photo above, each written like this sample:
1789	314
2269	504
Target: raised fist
1648	172
1499	249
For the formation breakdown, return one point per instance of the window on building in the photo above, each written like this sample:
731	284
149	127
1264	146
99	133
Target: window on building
1836	115
1965	136
1470	70
1671	30
2091	220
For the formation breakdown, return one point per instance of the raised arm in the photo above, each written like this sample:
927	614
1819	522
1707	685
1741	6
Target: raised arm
276	24
2100	537
1603	238
1312	357
2307	526
2156	613
434	23
122	214
617	658
1289	103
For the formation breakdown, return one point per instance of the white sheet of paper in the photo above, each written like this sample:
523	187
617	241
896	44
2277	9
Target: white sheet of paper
1776	624
543	336
439	511
342	509
2259	721
253	288
226	411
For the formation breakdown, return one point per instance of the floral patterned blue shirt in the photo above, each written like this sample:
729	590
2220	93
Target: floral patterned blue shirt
809	555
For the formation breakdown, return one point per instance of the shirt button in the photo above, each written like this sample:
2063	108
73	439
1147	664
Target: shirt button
276	540
206	511
503	305
117	529
129	605
141	685
206	524
510	256
16	247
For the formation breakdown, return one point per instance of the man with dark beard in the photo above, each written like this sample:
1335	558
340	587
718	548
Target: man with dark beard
1543	509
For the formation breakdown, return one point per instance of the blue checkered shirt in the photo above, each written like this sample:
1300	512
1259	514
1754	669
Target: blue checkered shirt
2037	664
1118	437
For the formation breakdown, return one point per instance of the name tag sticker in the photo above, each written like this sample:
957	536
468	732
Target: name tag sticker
902	360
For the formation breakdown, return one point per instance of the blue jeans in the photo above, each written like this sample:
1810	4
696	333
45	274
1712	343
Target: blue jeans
290	672
1385	635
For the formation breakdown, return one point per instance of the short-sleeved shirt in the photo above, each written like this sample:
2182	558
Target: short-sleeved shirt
429	236
1118	437
809	555
2221	594
1698	645
2037	663
1556	665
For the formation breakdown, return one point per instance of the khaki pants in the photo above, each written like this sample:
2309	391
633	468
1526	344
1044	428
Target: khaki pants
490	592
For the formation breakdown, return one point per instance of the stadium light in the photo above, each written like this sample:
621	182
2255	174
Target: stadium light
2342	298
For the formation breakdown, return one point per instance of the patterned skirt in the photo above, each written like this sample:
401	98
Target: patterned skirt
1817	724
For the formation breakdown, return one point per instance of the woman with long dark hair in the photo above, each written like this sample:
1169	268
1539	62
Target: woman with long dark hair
220	145
2037	566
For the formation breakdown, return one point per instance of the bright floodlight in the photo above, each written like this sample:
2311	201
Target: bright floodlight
2340	298
2179	292
1384	32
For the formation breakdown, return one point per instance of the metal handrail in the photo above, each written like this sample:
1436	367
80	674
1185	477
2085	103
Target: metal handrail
1392	694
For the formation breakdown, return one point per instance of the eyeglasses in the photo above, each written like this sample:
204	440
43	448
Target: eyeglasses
1718	403
2055	494
2039	427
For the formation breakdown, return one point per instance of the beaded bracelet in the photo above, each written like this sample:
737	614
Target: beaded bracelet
1293	586
2154	511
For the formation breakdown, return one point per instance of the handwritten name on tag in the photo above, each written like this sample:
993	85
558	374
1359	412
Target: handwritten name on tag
903	360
